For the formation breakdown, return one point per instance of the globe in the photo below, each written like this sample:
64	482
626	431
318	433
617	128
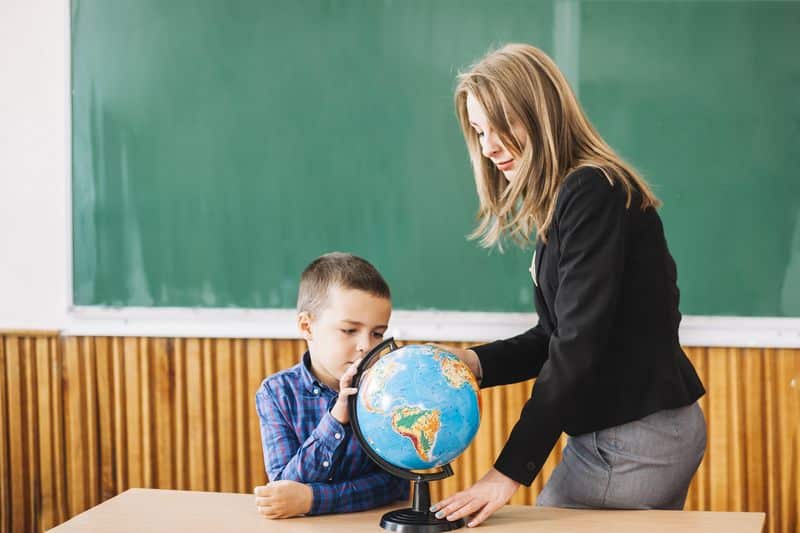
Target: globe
418	407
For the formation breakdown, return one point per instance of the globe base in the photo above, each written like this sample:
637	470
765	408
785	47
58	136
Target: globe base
411	521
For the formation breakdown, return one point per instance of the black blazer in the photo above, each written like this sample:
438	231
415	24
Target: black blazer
605	350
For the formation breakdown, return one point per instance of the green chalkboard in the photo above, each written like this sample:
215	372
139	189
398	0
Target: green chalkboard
218	147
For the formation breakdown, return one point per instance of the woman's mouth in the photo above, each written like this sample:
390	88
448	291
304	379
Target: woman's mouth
505	165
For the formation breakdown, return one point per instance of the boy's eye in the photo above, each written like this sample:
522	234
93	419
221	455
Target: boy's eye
348	331
378	335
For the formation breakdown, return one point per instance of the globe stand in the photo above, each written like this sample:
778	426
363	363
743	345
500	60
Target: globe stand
418	518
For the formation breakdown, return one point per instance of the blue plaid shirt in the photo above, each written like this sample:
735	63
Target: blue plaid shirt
303	442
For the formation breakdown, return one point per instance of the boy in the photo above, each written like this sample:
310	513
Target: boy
313	460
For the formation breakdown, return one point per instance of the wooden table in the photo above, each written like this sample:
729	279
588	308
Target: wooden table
155	511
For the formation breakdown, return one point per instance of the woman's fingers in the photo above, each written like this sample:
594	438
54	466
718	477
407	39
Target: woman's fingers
485	513
468	508
444	503
460	500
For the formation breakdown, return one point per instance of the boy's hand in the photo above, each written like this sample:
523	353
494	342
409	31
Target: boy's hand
467	356
284	498
339	410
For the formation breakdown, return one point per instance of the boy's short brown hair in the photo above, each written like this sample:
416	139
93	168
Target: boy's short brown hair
337	269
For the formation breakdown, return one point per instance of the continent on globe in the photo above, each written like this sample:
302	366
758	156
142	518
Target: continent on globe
455	372
374	382
420	425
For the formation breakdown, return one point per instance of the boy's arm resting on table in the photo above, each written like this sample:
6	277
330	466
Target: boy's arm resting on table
366	492
285	457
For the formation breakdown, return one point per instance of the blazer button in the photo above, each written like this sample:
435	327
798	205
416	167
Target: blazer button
531	466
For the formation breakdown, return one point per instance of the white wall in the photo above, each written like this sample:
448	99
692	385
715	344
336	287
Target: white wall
34	163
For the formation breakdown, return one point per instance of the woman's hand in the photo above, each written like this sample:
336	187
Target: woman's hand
469	357
339	410
485	497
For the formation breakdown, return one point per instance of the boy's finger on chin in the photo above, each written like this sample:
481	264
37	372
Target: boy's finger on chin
347	391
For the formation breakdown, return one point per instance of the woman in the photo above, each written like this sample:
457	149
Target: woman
610	370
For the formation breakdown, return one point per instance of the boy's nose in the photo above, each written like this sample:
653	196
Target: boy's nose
363	345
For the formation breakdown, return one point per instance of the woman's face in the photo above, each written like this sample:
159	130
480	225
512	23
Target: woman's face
492	147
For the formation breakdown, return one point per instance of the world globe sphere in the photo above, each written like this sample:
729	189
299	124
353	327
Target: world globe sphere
418	407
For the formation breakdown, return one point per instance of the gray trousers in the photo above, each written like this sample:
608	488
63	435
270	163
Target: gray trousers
645	464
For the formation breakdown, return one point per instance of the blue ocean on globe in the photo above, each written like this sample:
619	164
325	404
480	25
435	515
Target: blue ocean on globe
418	407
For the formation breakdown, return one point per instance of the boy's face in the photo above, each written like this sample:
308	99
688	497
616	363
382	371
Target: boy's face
349	325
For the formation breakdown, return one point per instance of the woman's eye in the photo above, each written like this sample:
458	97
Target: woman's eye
348	331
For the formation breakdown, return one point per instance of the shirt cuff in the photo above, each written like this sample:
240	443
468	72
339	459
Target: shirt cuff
330	434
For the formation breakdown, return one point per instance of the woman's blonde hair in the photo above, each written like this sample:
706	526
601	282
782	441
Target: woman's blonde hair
521	82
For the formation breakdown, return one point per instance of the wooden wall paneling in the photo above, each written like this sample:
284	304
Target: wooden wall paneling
17	462
163	408
132	405
225	388
719	428
753	394
195	432
120	414
30	437
700	491
61	512
210	426
89	420
82	419
75	438
772	459
180	426
6	505
105	415
788	419
255	358
240	416
795	450
147	419
738	389
44	420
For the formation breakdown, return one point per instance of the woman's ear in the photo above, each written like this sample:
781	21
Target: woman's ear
304	324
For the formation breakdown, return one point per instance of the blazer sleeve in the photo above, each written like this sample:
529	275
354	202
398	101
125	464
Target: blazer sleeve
590	221
513	360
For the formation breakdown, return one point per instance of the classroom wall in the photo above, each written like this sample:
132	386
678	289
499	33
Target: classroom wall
104	414
34	163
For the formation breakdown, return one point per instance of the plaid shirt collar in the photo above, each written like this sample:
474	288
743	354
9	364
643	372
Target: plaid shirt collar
308	381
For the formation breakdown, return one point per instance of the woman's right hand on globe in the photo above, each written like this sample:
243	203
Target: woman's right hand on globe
467	356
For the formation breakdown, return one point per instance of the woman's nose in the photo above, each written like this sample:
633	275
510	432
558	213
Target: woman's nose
491	145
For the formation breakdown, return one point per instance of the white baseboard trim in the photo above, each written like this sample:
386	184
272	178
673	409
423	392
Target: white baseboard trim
759	332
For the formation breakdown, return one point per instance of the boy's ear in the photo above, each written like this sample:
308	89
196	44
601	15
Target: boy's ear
304	324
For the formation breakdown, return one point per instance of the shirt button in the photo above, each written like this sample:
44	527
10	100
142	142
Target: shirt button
316	390
326	464
338	436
